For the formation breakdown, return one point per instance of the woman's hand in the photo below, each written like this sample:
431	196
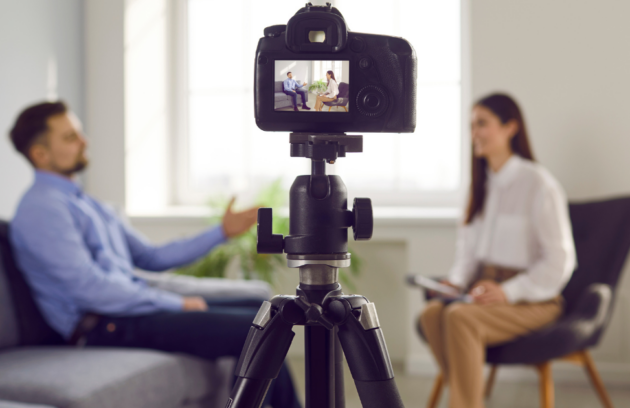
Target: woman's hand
488	292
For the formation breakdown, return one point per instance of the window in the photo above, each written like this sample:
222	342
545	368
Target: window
220	149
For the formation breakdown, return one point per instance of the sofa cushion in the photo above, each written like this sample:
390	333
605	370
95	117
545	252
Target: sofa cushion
8	326
204	379
99	377
33	329
11	404
280	96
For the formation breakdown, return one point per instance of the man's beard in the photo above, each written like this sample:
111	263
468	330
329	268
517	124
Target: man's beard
80	164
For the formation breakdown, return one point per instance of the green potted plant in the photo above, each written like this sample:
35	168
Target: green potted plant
242	249
318	86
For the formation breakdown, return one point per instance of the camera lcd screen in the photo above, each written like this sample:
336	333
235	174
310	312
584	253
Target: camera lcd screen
312	86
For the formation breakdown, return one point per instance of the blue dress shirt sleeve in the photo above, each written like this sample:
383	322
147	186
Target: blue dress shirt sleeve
287	85
173	254
55	256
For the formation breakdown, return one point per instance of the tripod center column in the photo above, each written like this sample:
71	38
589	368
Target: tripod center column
318	275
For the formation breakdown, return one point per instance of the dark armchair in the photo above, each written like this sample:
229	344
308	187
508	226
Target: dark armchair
342	98
601	231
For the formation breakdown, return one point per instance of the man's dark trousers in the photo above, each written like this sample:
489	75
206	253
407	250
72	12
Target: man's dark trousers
219	331
294	95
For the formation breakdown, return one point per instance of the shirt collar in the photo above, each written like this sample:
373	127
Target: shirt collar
56	181
507	173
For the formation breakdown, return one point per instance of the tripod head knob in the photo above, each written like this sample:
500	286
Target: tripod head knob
268	242
363	219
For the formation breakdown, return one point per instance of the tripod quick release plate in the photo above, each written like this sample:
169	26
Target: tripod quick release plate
323	146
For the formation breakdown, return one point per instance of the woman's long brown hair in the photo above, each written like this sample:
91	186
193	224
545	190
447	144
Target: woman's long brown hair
506	109
332	76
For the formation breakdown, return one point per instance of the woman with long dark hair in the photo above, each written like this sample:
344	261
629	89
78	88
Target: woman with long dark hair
331	92
515	252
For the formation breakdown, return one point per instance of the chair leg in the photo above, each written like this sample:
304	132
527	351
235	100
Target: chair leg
345	109
490	382
329	108
596	380
546	385
436	392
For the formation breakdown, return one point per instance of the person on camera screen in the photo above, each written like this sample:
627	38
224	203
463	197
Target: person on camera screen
292	88
331	93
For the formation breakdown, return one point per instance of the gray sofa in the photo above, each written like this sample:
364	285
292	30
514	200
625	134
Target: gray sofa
38	370
282	100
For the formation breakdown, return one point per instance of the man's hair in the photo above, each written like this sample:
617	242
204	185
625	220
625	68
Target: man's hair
288	73
32	123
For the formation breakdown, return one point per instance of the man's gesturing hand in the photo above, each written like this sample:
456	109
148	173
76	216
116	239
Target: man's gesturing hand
236	223
194	303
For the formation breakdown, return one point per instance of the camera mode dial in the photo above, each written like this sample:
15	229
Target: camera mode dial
363	219
372	101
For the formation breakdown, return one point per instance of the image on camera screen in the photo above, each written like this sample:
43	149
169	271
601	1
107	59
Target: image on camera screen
312	86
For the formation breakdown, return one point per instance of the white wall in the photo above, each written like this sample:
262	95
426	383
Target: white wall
41	55
567	64
301	70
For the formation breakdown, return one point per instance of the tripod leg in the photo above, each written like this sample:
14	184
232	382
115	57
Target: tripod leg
364	346
340	398
265	349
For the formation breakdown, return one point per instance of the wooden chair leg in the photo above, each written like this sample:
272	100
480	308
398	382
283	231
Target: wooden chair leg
345	109
490	382
546	385
329	108
436	392
596	380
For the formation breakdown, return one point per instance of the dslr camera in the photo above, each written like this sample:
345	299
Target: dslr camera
366	82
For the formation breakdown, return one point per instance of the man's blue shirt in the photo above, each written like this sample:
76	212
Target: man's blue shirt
291	84
78	255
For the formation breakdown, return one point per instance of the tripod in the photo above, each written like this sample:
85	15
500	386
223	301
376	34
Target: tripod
332	321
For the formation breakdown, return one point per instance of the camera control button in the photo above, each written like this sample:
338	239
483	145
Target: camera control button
357	45
372	101
365	63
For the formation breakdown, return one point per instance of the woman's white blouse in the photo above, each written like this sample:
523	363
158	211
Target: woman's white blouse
333	89
525	226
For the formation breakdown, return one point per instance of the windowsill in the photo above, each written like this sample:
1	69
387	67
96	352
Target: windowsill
383	216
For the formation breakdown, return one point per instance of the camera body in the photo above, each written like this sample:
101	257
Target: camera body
374	89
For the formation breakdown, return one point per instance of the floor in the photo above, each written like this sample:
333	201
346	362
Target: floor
415	391
311	104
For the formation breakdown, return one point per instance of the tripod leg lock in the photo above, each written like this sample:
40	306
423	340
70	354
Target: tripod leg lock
268	341
363	342
365	349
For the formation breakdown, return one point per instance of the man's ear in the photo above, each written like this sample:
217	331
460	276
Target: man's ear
39	155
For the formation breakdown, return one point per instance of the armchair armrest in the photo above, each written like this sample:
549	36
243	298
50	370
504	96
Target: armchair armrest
589	316
577	330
